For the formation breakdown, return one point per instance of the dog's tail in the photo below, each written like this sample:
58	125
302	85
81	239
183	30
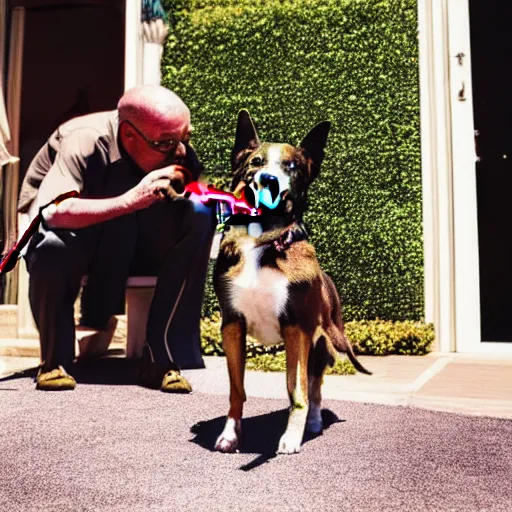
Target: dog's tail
337	332
352	357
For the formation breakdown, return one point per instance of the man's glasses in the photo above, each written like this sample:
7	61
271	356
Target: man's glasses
162	146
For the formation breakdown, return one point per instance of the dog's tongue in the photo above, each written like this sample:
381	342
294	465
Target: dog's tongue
261	197
264	197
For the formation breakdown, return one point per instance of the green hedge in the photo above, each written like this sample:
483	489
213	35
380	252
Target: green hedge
374	337
277	363
383	338
293	64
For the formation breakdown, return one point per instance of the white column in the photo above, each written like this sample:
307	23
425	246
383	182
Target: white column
154	34
143	47
151	64
436	165
26	326
5	131
3	24
13	93
133	44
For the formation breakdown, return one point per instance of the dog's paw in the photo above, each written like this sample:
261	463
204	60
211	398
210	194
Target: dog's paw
289	443
314	422
226	445
228	441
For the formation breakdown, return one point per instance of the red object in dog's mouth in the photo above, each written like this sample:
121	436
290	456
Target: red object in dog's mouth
208	194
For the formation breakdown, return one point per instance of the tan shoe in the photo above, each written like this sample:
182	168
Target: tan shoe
174	382
157	376
93	342
55	380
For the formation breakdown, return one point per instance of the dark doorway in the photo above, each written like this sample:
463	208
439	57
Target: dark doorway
73	64
491	53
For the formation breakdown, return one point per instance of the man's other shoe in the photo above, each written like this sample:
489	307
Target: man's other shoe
157	376
174	382
55	380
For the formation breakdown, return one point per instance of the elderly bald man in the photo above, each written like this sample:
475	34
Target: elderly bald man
122	224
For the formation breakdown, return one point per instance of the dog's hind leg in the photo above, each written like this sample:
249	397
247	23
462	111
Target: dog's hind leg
297	344
319	358
335	329
233	343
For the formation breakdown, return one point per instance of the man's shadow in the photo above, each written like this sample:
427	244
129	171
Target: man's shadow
260	434
108	370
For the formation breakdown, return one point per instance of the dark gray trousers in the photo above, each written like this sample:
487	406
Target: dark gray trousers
171	240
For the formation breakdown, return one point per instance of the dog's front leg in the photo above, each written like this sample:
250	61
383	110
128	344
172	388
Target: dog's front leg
297	344
233	343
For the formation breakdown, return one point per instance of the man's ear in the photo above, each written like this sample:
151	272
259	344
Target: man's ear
314	144
246	136
127	137
125	131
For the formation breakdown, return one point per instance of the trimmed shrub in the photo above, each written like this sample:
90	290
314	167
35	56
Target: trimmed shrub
382	338
277	363
293	64
259	357
375	337
211	340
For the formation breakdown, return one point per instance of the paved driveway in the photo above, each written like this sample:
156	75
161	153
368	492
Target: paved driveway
112	446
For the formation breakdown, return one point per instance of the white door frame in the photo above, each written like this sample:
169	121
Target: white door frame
452	287
133	64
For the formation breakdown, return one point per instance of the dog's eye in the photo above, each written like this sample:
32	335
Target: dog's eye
257	161
291	166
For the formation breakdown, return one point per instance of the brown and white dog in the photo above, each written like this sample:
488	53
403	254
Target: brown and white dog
269	282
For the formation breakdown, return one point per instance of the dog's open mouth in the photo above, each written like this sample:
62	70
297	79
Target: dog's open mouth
264	191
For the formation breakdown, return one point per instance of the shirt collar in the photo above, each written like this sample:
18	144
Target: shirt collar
113	129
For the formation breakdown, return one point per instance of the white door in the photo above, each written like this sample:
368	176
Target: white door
479	48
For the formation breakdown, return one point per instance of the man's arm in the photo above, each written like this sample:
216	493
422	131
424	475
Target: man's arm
76	213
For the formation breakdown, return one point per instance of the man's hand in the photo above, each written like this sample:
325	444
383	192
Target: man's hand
155	186
78	213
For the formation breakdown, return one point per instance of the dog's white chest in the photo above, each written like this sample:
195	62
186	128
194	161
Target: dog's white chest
260	294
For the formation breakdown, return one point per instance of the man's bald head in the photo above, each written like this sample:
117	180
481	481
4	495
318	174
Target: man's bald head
151	104
152	114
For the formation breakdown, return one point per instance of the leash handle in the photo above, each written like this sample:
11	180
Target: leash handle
9	261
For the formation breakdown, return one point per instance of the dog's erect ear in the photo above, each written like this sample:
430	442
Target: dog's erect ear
246	135
314	143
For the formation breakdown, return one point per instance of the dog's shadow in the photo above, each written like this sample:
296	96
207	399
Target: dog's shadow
260	434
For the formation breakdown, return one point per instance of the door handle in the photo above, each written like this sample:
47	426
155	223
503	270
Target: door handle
462	93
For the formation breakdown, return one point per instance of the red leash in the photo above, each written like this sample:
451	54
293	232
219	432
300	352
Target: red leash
205	193
208	194
10	259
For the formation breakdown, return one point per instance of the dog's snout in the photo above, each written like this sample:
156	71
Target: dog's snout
270	183
266	179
